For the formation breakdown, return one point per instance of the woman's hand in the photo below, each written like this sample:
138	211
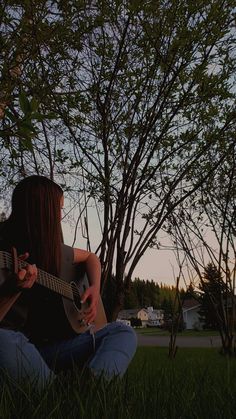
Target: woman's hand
91	296
93	269
28	275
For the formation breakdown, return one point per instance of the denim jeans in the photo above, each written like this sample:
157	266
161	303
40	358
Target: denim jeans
107	352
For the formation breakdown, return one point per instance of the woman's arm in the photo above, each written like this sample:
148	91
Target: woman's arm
93	269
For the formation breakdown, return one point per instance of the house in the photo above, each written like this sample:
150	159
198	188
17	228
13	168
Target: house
155	317
191	315
138	313
148	316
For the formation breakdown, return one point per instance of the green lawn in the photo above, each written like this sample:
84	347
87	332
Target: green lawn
154	331
197	384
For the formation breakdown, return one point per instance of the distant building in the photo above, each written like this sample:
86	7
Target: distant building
148	316
138	313
155	317
191	315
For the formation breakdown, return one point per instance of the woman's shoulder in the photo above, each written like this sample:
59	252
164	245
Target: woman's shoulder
67	251
78	255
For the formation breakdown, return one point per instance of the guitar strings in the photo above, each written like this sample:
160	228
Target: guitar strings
6	262
66	287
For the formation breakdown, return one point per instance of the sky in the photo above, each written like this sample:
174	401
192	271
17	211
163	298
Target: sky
157	265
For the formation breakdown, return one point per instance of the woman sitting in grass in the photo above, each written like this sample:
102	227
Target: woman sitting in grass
36	338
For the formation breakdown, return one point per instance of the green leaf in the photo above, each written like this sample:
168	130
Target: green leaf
27	144
34	104
5	133
10	115
24	103
38	116
51	115
27	124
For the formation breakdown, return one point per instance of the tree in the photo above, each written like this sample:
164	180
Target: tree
35	38
131	298
190	293
211	213
213	298
143	99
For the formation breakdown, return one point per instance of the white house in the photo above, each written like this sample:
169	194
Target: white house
155	317
139	313
191	316
148	316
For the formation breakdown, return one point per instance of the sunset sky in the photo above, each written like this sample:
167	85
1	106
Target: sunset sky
159	265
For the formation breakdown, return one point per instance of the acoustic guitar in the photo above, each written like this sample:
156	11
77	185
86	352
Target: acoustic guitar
71	293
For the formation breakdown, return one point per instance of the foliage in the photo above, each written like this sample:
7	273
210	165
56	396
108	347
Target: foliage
143	103
142	294
203	230
135	322
214	292
145	293
21	126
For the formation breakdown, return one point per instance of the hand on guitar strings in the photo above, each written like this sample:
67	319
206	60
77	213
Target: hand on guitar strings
27	275
91	296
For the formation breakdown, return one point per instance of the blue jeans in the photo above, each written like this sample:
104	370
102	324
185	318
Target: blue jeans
108	352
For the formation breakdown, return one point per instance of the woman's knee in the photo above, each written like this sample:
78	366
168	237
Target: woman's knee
131	336
126	335
118	344
11	343
20	359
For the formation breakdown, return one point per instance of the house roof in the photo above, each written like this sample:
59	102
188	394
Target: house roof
190	304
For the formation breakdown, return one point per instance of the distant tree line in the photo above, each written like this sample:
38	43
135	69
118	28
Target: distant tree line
146	293
143	293
212	295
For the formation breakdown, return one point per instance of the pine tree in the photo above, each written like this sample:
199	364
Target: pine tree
212	298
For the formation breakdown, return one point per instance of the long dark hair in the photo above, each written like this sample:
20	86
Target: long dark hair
34	224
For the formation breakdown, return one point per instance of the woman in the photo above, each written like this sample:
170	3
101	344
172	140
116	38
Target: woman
36	339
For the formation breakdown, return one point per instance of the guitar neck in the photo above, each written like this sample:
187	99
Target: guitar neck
45	279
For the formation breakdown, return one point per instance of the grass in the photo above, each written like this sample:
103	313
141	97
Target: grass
154	331
197	384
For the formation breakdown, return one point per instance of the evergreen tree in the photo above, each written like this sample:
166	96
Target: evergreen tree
131	298
142	293
212	298
190	293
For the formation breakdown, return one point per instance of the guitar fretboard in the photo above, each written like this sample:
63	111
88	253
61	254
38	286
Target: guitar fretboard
43	278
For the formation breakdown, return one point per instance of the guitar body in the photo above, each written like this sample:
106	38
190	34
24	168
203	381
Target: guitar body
75	310
71	286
